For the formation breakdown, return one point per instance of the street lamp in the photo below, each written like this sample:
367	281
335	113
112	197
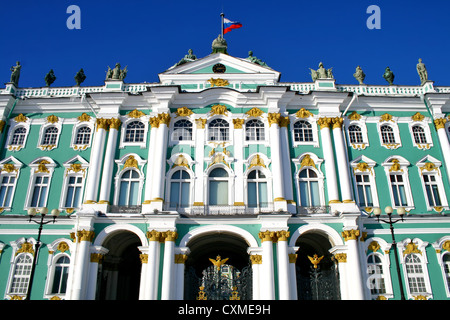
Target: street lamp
31	214
401	212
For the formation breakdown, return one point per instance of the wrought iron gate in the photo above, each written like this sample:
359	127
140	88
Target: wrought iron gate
318	284
219	282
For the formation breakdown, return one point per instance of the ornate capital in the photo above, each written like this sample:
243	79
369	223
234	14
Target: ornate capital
143	257
282	235
169	235
103	124
324	122
164	118
337	122
238	123
115	123
352	234
274	118
292	257
154	235
96	257
200	123
341	257
85	235
284	122
180	258
154	122
440	123
256	258
267	236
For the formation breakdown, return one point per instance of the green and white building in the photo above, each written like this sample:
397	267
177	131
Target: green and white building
220	181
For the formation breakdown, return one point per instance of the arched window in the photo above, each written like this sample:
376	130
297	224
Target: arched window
254	130
419	134
180	189
129	188
18	137
355	134
257	189
309	188
303	131
83	136
50	136
415	274
182	130
387	134
218	130
21	274
61	274
375	270
218	187
135	132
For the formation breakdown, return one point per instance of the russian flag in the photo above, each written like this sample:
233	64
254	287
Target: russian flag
230	25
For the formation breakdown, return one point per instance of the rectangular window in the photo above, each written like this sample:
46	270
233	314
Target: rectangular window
364	190
74	189
218	193
40	190
6	191
398	190
432	190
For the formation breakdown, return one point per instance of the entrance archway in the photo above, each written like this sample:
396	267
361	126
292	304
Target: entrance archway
120	273
218	267
316	270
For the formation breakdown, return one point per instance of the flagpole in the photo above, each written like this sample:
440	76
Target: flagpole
222	15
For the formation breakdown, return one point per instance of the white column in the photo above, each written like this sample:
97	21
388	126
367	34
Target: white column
267	271
144	263
293	273
343	274
277	169
199	161
341	159
180	260
167	290
159	166
239	164
256	260
443	141
286	166
108	164
283	265
97	254
84	238
96	159
328	154
149	175
355	279
152	275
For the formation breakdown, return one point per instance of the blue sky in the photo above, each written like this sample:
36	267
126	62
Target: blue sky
290	36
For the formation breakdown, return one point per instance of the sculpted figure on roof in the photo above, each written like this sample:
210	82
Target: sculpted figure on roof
187	58
422	71
321	73
254	59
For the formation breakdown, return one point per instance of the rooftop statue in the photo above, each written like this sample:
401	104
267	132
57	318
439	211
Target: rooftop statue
253	59
389	76
50	78
219	45
321	73
187	58
422	71
15	73
359	75
116	73
80	77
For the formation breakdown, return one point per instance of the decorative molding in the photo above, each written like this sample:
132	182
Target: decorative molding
135	114
184	112
352	234
255	112
303	113
238	123
84	117
440	123
218	82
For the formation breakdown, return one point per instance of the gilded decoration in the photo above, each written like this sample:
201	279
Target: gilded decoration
52	119
354	116
218	82
2	125
238	123
411	248
62	246
9	167
76	167
144	258
218	158
386	117
202	294
180	258
26	247
154	235
292	257
218	109
84	117
337	122
181	161
169	235
255	112
429	166
96	257
303	113
85	235
440	123
352	234
218	262
363	167
307	161
257	161
282	235
274	118
103	124
341	257
115	123
284	122
164	118
131	162
324	122
374	246
184	112
446	245
395	166
234	294
136	114
315	260
266	235
201	123
21	118
256	258
418	117
42	167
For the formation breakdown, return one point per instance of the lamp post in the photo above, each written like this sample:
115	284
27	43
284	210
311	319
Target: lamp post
31	213
400	212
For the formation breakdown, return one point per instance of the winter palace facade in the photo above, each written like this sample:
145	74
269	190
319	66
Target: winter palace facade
220	182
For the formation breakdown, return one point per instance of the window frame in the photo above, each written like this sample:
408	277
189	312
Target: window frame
55	252
10	167
395	132
42	135
429	165
441	247
180	180
13	127
230	185
424	124
262	128
173	131
396	165
126	121
315	135
228	131
359	121
37	171
123	165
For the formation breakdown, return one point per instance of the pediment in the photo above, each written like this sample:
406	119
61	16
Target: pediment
233	69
